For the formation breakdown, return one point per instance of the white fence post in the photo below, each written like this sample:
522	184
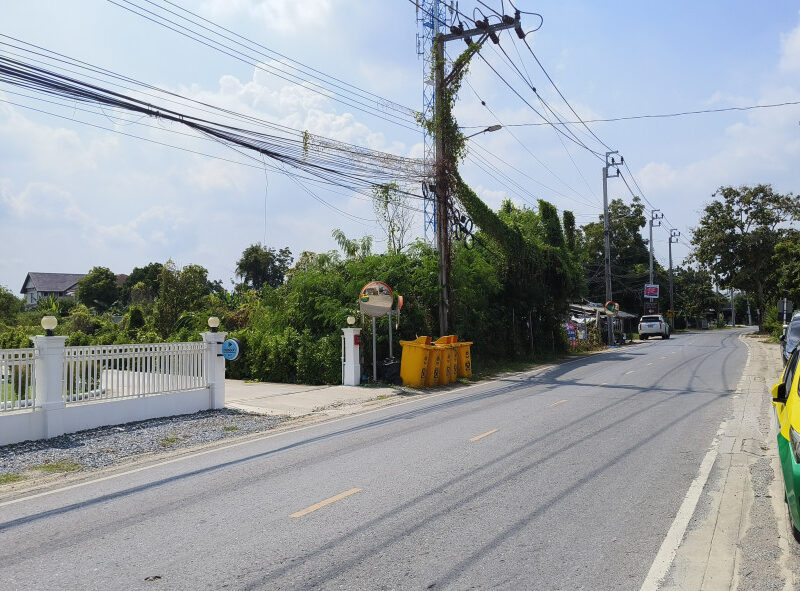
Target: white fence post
49	368
215	368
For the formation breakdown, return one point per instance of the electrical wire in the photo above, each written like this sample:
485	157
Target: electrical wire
205	40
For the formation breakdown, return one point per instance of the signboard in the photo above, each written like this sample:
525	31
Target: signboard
612	308
670	313
650	290
231	349
571	333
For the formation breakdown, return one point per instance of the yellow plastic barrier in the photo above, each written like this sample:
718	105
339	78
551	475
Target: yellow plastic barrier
446	374
464	359
434	367
414	361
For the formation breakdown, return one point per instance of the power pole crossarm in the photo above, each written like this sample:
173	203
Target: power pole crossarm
443	162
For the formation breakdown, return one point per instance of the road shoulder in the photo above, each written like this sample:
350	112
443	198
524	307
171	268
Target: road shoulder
738	537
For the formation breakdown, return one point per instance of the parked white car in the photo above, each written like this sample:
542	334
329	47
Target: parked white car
653	326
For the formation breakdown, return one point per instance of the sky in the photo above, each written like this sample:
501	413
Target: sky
81	189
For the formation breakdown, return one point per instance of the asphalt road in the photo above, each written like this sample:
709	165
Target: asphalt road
568	479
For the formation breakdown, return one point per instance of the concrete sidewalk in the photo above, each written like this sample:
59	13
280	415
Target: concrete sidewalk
296	400
739	535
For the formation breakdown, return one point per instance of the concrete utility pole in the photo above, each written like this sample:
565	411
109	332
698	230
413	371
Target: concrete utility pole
482	30
673	239
655	220
607	238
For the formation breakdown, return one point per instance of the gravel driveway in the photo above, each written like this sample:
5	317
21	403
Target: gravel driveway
106	446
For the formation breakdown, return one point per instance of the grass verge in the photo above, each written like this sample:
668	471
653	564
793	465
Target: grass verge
9	477
58	466
167	441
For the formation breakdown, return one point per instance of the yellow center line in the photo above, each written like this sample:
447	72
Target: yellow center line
663	358
326	502
557	403
482	435
604	383
650	363
631	371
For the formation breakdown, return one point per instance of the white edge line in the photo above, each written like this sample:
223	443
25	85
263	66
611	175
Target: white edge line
669	547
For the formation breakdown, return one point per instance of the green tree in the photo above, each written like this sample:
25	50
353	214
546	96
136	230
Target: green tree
393	215
352	248
738	234
98	289
10	306
553	234
630	257
146	281
569	229
694	293
787	263
182	291
261	265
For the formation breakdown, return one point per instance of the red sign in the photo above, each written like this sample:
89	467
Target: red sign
650	291
357	340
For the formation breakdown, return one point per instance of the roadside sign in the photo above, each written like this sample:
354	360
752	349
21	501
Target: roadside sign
650	290
231	349
612	307
670	313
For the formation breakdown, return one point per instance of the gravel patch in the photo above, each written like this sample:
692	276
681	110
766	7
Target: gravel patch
107	446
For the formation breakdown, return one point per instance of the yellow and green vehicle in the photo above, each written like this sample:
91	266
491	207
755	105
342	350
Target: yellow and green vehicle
787	407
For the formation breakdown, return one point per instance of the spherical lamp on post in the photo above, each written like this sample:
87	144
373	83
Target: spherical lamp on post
351	320
213	323
48	324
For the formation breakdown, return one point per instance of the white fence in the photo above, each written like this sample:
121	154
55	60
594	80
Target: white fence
52	389
17	378
111	372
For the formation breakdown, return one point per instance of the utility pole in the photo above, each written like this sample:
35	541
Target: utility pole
655	220
733	310
483	30
673	239
607	238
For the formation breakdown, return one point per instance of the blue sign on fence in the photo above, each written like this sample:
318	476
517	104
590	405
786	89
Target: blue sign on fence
231	349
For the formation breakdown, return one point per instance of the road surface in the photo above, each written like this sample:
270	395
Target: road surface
563	479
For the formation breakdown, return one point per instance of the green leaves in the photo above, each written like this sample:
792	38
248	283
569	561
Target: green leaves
737	238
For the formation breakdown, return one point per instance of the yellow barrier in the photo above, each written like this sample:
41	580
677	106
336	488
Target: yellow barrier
414	361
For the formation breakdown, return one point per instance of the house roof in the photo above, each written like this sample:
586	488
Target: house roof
55	282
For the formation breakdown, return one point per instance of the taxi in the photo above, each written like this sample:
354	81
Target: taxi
787	408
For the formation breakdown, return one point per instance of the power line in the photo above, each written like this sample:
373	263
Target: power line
654	116
205	40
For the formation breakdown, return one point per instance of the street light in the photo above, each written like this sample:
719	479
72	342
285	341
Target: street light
490	128
213	323
48	324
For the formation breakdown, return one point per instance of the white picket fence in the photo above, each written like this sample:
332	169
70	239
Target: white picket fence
111	372
52	389
17	378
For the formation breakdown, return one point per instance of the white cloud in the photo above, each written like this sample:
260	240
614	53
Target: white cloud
282	16
790	51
